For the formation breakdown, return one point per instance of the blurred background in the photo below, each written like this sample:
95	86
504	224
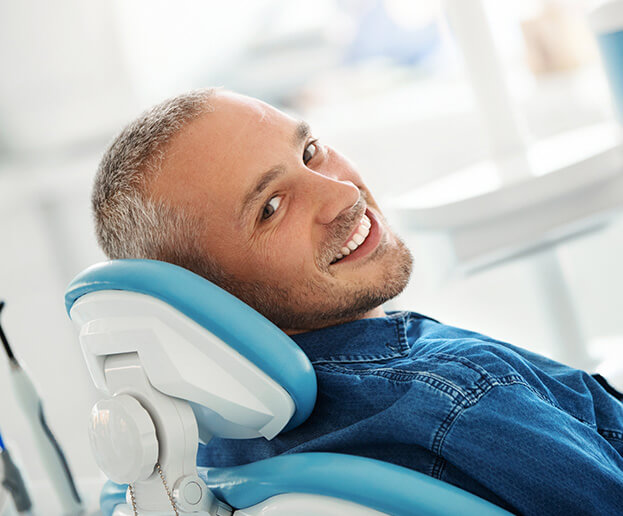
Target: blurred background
386	82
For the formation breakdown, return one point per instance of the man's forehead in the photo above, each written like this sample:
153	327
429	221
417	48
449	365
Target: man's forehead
230	100
232	121
240	110
227	146
238	121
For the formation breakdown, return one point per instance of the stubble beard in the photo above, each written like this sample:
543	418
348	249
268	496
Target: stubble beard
314	304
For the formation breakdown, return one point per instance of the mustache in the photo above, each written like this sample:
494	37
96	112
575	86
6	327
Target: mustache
340	229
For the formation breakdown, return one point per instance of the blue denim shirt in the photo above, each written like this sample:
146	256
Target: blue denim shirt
520	430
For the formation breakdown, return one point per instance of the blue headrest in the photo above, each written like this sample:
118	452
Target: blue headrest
231	320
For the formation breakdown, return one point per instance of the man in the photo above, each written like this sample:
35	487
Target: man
245	196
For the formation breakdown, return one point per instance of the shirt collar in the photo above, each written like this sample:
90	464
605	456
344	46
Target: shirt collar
379	338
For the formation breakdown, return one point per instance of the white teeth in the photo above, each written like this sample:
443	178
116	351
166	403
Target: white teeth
358	238
363	230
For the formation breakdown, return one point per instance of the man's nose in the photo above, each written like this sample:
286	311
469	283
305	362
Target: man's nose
332	197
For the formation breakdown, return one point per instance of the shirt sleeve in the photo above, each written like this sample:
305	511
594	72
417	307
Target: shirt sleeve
538	458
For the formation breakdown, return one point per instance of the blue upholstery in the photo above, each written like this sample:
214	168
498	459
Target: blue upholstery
234	322
378	485
112	495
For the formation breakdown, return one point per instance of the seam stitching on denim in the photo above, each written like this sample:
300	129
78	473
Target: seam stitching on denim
401	334
611	434
438	467
346	359
461	360
483	386
400	375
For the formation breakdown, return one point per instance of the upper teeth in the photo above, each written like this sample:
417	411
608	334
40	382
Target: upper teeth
356	240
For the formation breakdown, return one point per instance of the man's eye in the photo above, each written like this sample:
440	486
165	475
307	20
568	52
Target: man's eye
271	207
310	151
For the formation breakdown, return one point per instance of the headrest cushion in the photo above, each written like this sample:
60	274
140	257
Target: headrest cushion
234	322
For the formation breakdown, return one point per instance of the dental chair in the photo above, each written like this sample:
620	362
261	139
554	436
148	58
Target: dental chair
181	361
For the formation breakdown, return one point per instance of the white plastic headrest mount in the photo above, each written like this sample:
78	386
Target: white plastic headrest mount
184	360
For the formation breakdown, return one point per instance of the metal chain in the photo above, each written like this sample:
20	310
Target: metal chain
131	488
166	488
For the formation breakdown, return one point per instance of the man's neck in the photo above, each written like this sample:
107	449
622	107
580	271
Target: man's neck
375	312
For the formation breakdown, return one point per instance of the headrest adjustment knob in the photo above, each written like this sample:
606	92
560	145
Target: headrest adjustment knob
123	439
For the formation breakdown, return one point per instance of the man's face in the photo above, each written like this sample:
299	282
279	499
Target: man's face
277	208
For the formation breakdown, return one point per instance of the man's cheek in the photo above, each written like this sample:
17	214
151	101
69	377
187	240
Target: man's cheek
270	255
292	261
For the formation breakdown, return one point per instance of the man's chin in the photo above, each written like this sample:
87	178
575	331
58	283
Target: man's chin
315	304
338	306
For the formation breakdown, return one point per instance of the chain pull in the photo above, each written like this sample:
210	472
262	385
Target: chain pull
166	488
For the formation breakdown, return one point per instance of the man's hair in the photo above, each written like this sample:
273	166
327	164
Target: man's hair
130	224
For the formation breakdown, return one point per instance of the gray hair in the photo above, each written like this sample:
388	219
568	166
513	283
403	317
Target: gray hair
128	223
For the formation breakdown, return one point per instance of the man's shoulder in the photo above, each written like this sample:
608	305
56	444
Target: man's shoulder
426	378
471	358
427	353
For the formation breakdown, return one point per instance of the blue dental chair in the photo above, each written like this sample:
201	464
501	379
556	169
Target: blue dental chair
181	361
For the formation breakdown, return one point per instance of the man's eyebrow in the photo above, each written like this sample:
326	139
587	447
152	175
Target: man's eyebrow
301	133
255	193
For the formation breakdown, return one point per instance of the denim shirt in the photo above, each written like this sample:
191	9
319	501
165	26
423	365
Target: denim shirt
513	427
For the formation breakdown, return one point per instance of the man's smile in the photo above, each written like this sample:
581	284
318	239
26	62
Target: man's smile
362	241
356	238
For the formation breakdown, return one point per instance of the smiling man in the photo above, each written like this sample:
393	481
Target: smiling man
309	245
259	206
246	196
